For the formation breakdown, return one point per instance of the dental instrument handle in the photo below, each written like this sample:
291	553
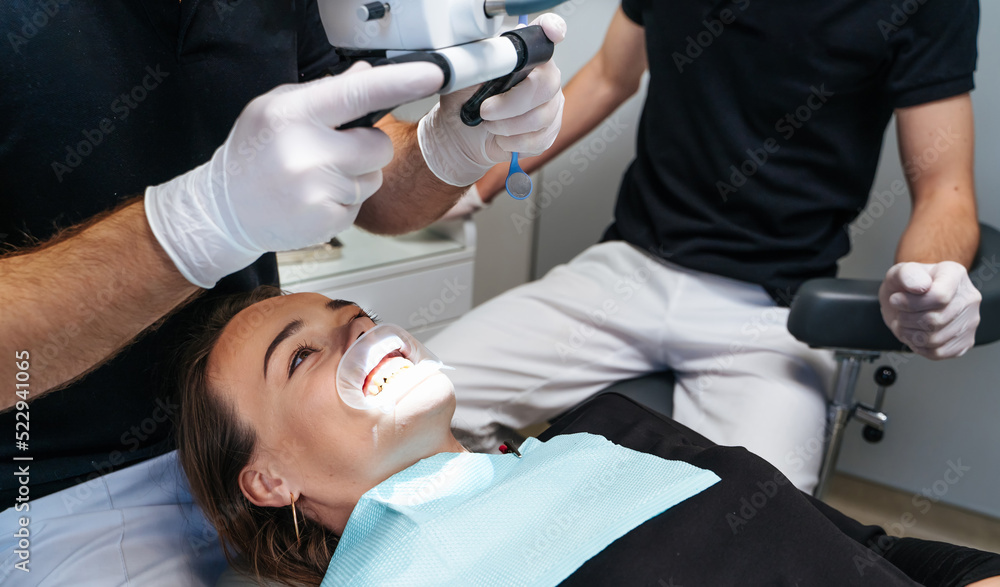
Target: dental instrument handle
530	48
533	49
371	118
519	185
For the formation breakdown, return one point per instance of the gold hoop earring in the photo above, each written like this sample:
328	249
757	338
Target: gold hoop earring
295	517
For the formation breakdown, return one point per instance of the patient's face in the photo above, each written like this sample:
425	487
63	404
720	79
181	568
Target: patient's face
276	363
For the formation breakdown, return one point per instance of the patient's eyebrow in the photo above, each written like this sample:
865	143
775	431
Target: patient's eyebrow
338	304
290	329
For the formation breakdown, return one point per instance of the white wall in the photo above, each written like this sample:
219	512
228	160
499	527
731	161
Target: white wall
950	411
939	412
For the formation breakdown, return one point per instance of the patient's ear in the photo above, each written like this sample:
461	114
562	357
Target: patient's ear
263	489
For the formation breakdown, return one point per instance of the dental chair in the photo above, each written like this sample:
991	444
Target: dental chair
844	315
838	314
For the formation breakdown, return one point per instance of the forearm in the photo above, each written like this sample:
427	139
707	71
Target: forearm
943	225
74	302
411	196
941	229
591	96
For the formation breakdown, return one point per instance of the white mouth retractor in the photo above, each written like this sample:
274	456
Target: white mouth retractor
365	354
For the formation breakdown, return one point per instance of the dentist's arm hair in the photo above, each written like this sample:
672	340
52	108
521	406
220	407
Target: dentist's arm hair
73	302
411	196
610	78
936	146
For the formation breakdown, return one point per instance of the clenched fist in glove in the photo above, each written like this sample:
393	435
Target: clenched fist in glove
932	308
525	119
285	178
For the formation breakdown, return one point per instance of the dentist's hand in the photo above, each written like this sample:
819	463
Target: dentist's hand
525	119
284	179
933	308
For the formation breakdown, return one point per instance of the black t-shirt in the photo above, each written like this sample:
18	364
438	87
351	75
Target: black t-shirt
97	101
751	528
762	129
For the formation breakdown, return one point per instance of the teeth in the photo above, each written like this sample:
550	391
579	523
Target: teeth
385	381
386	375
381	349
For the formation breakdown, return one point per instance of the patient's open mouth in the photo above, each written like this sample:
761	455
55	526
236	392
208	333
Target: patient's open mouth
387	369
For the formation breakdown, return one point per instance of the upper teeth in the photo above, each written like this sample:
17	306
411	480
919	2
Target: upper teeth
380	350
392	368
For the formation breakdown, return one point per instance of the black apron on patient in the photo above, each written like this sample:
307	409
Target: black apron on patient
753	527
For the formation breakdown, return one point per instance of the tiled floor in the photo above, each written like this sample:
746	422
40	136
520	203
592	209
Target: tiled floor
901	514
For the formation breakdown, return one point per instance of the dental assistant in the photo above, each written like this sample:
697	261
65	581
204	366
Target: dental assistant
119	209
758	145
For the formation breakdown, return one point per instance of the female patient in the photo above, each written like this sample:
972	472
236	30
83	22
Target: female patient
299	474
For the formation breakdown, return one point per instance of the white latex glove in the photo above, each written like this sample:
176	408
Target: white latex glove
933	308
470	203
284	179
525	119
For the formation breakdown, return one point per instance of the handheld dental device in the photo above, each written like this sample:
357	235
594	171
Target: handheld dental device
519	185
459	36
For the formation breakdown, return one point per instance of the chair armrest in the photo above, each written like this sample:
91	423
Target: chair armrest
985	275
845	313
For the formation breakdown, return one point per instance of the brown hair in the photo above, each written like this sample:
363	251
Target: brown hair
214	446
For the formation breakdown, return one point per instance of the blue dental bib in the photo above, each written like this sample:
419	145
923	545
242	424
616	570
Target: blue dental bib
475	519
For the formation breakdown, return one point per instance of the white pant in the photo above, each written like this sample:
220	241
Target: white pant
614	313
137	526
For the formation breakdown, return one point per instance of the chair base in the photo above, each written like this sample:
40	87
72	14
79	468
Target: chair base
839	411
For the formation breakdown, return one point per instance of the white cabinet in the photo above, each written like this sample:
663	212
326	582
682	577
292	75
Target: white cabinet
421	281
